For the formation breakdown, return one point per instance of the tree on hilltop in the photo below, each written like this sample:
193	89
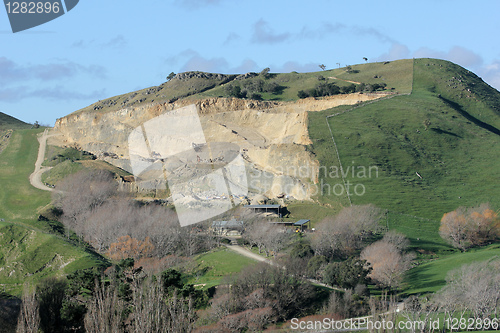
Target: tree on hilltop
265	72
170	76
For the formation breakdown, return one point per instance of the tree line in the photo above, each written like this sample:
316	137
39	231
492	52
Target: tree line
115	224
330	89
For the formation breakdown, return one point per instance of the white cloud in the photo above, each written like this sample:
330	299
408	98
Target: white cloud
11	71
246	66
190	60
114	43
397	51
57	93
457	54
199	63
263	34
491	74
291	66
232	37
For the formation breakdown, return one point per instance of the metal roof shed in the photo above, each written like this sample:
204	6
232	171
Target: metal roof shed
265	207
301	223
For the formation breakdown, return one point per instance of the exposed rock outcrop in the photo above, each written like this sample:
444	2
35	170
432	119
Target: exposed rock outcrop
271	134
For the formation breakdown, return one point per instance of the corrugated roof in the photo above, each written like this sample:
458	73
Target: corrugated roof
301	222
263	206
227	224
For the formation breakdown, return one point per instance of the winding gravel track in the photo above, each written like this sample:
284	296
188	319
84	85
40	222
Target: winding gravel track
36	176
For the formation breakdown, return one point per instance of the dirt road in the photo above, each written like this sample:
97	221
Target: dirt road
248	254
36	176
251	255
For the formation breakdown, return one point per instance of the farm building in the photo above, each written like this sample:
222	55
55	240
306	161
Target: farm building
230	228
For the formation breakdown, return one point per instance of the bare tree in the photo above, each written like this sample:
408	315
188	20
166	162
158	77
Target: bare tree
268	237
388	263
29	317
149	307
422	312
473	288
344	233
104	311
397	239
256	234
155	312
82	192
465	227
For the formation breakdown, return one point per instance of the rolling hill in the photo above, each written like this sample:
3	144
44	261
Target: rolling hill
433	150
427	141
425	144
9	122
30	249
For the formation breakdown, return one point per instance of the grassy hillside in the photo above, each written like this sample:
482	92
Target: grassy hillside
27	255
194	85
27	250
396	74
427	156
19	200
428	152
66	161
7	125
181	87
430	276
9	122
422	152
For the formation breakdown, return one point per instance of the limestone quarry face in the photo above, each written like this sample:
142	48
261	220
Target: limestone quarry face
271	137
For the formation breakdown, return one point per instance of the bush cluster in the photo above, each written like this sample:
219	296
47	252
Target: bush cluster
253	88
330	89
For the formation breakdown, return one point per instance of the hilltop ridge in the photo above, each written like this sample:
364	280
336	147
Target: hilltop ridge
9	122
277	130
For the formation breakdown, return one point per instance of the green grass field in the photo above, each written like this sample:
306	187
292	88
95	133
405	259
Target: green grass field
422	233
311	211
19	200
431	276
215	266
27	249
425	157
27	255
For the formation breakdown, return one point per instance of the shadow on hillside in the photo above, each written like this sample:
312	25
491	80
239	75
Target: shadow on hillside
420	278
469	117
429	246
440	131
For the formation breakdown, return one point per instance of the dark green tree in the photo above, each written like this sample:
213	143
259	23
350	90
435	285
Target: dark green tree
346	274
170	76
302	94
265	72
50	293
301	250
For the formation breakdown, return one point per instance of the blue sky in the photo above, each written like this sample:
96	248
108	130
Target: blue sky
105	48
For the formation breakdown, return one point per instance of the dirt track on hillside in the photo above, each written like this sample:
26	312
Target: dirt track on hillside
36	176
